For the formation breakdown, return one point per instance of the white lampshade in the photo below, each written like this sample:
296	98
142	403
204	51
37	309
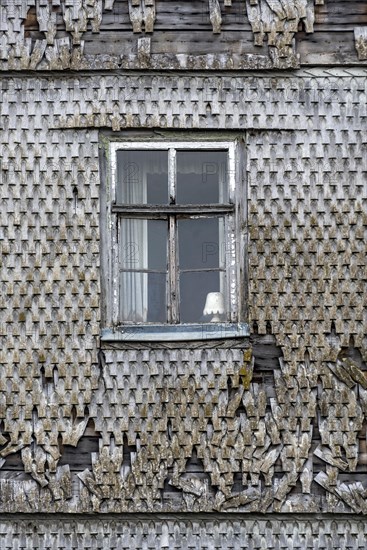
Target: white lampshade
214	305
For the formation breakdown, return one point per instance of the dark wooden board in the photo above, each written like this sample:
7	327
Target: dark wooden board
180	15
340	12
323	48
185	28
173	42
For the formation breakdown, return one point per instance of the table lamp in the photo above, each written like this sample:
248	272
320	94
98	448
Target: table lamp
214	305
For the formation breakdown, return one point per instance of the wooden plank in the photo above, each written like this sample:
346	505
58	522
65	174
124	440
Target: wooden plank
114	23
183	15
331	27
324	48
195	14
80	457
340	12
168	15
332	42
152	209
265	352
173	42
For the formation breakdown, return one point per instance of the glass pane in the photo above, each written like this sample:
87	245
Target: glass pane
157	244
157	300
200	243
143	244
201	177
142	177
194	299
143	297
133	296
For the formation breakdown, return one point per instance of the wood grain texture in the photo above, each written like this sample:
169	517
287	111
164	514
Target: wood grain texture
239	34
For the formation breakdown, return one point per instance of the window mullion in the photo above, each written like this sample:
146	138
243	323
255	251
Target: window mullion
173	290
231	267
172	175
116	262
242	231
173	296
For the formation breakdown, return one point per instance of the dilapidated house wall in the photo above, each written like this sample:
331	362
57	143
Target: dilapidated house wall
272	423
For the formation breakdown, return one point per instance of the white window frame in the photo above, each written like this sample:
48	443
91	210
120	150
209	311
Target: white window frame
235	249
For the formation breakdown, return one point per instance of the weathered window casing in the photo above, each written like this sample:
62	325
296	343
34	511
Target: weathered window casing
122	214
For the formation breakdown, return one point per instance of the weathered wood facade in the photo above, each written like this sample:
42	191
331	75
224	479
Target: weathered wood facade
273	423
200	34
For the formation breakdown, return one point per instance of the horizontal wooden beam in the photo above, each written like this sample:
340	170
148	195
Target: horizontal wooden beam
150	209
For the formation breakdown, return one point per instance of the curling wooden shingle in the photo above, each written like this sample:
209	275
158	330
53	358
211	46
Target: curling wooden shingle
215	16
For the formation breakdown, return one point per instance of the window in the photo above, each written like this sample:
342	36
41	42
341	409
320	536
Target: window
176	219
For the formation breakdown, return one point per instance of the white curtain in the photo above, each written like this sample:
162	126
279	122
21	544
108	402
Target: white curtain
134	285
132	189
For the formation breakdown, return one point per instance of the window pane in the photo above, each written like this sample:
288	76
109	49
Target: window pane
133	296
201	177
157	300
143	297
142	177
194	289
143	246
201	243
157	244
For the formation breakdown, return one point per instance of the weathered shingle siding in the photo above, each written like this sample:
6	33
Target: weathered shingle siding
183	533
306	180
272	424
